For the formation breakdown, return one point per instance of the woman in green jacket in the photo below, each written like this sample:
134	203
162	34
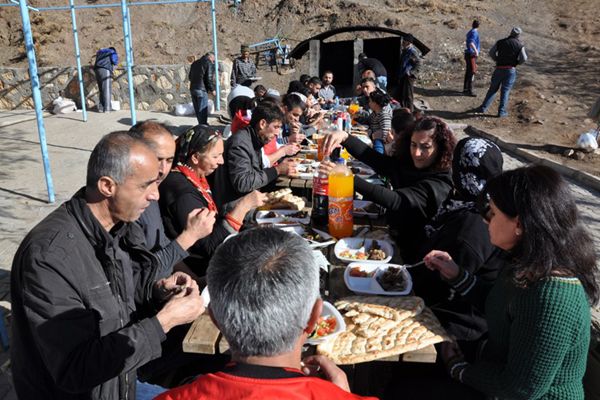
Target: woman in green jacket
538	310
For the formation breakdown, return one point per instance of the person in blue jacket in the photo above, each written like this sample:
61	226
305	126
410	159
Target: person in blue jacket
471	53
106	59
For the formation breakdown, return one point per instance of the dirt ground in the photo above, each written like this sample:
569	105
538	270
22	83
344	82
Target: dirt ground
554	91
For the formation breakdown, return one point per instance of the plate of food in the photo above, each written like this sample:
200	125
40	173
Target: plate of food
282	217
315	237
365	250
386	280
362	170
329	324
363	208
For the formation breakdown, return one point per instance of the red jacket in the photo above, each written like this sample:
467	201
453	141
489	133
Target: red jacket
223	386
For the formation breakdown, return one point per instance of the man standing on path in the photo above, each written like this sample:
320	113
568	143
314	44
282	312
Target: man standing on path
471	54
84	290
409	63
202	82
106	59
243	69
508	53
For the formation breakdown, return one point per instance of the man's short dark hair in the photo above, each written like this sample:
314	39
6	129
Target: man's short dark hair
268	111
148	127
304	78
475	24
315	80
111	157
409	38
327	71
291	101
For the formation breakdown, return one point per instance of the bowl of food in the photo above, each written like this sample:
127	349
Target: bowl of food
364	250
329	324
377	279
282	217
315	237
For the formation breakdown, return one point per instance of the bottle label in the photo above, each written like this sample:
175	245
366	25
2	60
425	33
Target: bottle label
340	211
321	185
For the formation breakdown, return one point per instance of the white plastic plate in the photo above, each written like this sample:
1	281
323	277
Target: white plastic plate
359	209
283	217
300	230
370	285
358	244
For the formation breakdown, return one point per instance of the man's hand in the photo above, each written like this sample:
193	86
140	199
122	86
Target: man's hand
325	167
286	167
214	93
200	223
291	149
325	368
184	304
173	285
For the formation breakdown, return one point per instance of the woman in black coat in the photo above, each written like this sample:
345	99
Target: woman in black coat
419	173
199	153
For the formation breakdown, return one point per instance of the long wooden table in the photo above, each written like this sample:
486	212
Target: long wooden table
204	337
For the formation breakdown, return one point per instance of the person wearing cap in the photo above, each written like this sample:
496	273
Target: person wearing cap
369	63
508	53
471	54
243	69
409	62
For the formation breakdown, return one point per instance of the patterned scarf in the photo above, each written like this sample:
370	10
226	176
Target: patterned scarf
475	161
199	183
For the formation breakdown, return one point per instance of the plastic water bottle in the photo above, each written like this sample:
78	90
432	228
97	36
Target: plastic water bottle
341	201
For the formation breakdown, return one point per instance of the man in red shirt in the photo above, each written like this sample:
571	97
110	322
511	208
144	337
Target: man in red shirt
264	289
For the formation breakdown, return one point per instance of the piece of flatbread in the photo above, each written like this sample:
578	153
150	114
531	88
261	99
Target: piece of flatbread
379	337
396	308
283	199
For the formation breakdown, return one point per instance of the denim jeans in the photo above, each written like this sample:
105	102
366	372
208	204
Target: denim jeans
200	101
382	81
502	78
379	146
147	391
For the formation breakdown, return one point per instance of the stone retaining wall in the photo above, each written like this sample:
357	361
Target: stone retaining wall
156	87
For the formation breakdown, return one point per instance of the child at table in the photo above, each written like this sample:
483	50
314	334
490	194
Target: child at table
380	120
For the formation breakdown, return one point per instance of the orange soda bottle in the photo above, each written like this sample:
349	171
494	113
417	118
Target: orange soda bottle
341	197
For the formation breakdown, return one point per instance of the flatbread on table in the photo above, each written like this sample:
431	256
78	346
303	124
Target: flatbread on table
378	327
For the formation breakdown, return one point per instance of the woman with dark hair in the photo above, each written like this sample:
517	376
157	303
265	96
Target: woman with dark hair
458	229
420	180
538	310
199	153
380	119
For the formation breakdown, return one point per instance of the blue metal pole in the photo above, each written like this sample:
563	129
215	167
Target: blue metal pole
130	34
78	58
37	97
129	61
216	51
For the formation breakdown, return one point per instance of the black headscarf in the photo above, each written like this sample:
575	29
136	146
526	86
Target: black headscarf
193	140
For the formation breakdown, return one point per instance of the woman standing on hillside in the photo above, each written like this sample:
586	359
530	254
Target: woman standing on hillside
538	310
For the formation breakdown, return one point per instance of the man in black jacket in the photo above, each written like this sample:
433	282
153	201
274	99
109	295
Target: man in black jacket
243	169
83	287
202	82
508	53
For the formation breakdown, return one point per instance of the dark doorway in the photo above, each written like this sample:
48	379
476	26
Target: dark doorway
338	58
